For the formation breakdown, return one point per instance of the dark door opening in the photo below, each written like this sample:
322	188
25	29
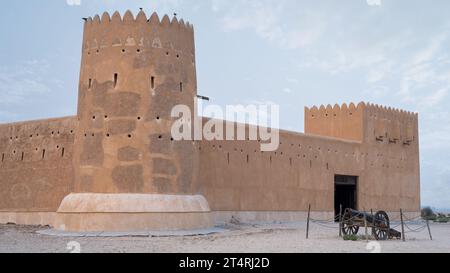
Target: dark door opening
345	193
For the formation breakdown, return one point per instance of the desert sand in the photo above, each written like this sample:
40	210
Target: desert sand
240	238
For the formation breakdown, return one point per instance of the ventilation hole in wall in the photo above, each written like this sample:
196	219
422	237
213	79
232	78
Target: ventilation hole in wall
3	157
23	154
351	114
97	51
181	87
31	136
160	137
116	76
90	83
71	131
129	136
228	158
153	82
171	139
178	56
138	118
93	135
93	117
138	50
158	118
106	116
62	152
53	133
123	50
14	152
43	154
108	135
37	149
167	53
10	138
57	147
85	135
328	166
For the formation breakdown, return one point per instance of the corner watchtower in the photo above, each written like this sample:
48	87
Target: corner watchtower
133	72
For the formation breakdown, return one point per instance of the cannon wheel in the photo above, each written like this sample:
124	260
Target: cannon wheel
348	226
381	226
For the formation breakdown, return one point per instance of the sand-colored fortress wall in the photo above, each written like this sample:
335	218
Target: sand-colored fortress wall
237	176
133	71
344	122
36	164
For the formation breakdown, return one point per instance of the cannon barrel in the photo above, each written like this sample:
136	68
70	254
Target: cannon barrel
360	215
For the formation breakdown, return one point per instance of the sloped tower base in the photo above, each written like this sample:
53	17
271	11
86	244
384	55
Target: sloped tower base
132	212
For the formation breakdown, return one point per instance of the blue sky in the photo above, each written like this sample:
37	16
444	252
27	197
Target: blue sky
292	53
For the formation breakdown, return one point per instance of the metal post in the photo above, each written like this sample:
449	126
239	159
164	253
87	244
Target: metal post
403	225
340	221
429	230
365	225
374	221
307	223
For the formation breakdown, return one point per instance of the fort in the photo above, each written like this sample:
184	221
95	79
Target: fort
115	167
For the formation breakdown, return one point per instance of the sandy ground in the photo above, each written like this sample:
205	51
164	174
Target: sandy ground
266	238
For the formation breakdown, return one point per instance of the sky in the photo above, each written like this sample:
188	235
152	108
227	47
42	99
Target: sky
293	53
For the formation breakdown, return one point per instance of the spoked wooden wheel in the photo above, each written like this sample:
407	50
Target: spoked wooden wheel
348	226
381	226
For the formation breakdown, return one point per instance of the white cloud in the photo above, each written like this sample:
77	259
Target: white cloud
292	80
435	98
373	2
20	83
287	90
267	19
73	2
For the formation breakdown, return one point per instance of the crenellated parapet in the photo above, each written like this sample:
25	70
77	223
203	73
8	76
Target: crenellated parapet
138	32
363	122
386	124
339	121
128	18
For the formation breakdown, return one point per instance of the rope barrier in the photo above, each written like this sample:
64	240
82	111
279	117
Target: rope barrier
413	225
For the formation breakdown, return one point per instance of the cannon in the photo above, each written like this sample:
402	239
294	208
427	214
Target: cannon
353	220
